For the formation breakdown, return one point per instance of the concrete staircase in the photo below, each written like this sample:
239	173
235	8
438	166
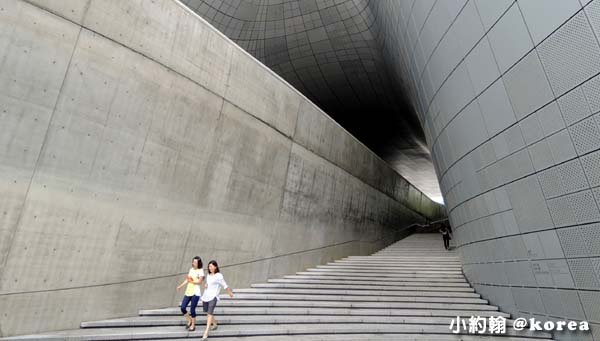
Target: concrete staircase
410	290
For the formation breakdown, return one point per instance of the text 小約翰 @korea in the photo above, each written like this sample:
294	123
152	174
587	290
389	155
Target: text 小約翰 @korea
498	325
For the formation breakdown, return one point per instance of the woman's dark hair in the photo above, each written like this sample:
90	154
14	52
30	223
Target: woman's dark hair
214	262
199	261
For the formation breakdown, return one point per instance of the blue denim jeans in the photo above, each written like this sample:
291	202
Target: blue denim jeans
186	300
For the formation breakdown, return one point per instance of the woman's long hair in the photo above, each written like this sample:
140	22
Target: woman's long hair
199	261
214	262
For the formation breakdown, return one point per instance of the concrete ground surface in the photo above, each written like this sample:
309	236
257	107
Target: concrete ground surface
410	290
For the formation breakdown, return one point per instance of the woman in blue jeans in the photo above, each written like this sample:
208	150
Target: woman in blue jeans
193	280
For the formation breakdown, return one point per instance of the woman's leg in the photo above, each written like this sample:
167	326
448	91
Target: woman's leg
209	319
184	304
209	308
193	312
214	319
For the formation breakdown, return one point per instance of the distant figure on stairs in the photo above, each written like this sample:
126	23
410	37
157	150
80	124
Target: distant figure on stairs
446	234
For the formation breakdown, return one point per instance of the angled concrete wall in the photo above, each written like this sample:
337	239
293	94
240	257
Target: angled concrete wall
508	95
134	136
328	51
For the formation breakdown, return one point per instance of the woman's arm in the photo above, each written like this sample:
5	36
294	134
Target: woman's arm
225	286
229	292
182	284
199	280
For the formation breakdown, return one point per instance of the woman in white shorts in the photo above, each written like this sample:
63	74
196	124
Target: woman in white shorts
214	283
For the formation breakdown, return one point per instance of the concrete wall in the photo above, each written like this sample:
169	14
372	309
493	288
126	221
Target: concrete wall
508	95
327	50
133	136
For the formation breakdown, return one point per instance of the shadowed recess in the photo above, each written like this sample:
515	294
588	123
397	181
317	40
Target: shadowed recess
332	52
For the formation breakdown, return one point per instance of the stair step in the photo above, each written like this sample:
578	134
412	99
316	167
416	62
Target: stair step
369	293
366	305
380	279
149	333
352	298
396	263
159	321
422	257
364	266
223	311
374	337
324	284
391	273
387	271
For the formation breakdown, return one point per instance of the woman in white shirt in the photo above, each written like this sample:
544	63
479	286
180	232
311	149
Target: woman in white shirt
193	280
214	283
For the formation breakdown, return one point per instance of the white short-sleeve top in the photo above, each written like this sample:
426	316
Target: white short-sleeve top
214	283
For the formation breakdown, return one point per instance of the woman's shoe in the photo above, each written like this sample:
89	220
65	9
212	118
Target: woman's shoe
192	329
214	327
